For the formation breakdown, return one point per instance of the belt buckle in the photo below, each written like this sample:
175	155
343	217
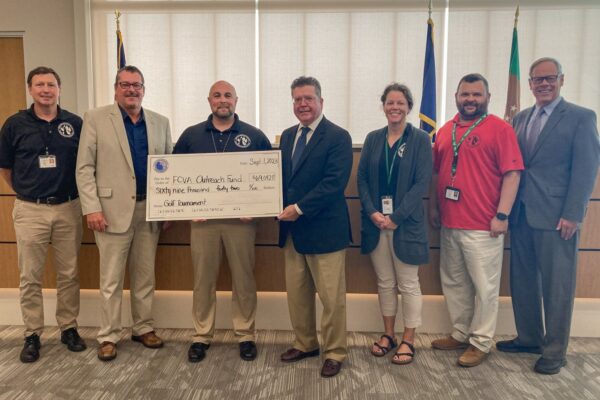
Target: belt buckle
52	200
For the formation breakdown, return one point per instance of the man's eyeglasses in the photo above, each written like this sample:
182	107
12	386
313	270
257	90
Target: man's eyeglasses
538	80
127	85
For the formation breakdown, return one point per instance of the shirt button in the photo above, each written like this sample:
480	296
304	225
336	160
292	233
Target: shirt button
133	197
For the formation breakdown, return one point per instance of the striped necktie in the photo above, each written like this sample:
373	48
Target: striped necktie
534	132
300	146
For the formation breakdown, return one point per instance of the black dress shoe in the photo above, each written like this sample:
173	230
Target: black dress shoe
513	346
292	355
71	338
330	368
549	367
31	349
248	350
197	352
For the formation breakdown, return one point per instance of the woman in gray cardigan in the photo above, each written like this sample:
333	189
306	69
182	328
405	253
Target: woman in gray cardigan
393	176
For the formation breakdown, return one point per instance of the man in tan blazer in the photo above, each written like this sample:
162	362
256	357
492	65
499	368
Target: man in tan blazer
111	178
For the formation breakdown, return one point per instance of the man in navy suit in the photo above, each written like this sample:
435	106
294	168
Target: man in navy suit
314	227
560	147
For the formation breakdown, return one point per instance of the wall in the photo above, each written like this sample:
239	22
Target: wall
49	38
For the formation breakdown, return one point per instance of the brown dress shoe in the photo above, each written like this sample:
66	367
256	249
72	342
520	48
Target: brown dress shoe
448	343
292	355
330	368
107	351
149	339
472	357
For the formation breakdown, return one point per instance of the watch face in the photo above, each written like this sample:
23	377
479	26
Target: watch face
502	216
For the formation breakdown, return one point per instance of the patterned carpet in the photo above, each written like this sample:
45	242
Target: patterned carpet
140	373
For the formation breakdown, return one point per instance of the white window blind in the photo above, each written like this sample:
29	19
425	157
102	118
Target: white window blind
353	47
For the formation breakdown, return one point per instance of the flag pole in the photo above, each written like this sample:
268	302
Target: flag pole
121	62
513	95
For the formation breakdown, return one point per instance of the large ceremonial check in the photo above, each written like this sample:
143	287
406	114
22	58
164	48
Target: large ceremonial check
214	185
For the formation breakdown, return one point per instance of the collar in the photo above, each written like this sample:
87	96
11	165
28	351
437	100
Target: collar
234	128
314	125
60	114
466	124
126	116
549	107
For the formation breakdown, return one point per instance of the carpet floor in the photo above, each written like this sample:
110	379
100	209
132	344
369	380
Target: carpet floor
141	373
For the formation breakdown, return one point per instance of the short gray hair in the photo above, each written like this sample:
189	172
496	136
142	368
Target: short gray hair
546	59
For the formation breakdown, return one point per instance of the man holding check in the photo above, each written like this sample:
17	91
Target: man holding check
223	132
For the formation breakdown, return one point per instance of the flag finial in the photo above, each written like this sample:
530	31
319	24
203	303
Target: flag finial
117	16
516	16
429	9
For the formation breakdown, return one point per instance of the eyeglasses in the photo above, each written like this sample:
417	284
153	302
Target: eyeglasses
127	85
306	99
538	80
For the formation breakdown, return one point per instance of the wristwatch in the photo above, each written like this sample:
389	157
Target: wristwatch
502	216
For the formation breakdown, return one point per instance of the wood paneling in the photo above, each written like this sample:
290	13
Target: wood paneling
174	270
7	231
12	76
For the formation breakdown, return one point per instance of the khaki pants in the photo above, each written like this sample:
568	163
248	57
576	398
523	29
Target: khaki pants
136	247
470	268
394	276
208	239
37	225
326	273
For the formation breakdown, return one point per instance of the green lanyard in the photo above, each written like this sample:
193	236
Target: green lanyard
395	147
456	146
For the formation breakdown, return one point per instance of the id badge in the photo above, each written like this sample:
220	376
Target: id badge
452	193
47	161
387	205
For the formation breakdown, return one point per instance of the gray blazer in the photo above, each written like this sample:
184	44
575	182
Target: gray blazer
410	238
104	165
560	174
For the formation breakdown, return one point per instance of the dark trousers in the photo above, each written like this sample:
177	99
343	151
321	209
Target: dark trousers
543	269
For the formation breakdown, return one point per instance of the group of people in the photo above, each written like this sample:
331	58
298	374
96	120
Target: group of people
484	177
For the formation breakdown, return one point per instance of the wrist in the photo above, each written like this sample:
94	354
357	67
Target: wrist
501	216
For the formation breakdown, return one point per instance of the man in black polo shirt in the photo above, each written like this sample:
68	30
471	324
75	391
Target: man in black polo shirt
38	150
223	132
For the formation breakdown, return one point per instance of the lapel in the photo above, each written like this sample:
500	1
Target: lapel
521	129
117	120
554	118
151	133
316	137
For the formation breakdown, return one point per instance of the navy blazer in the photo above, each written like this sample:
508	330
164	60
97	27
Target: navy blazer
317	187
560	174
414	175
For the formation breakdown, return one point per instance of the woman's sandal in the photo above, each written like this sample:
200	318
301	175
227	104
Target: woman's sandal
411	355
384	349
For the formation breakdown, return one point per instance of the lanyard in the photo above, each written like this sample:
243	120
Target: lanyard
395	147
456	146
212	135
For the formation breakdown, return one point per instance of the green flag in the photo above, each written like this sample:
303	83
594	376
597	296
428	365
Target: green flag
514	86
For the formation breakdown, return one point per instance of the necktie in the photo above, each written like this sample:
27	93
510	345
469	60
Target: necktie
534	132
300	145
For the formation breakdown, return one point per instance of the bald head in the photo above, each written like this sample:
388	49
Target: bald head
222	99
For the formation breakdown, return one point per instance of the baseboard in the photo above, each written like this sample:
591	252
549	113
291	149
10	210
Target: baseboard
172	309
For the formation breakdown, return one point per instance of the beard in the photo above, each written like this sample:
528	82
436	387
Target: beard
480	109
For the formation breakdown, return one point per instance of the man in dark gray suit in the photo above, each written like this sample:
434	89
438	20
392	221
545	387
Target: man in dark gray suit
560	147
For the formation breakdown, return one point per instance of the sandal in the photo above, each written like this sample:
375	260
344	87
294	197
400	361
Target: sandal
384	349
411	355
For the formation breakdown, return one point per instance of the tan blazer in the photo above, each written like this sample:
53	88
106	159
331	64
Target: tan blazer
105	175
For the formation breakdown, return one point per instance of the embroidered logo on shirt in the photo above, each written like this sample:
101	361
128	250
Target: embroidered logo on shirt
473	140
66	129
401	150
242	141
161	165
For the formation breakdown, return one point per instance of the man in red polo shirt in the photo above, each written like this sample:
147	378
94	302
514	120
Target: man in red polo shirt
477	167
